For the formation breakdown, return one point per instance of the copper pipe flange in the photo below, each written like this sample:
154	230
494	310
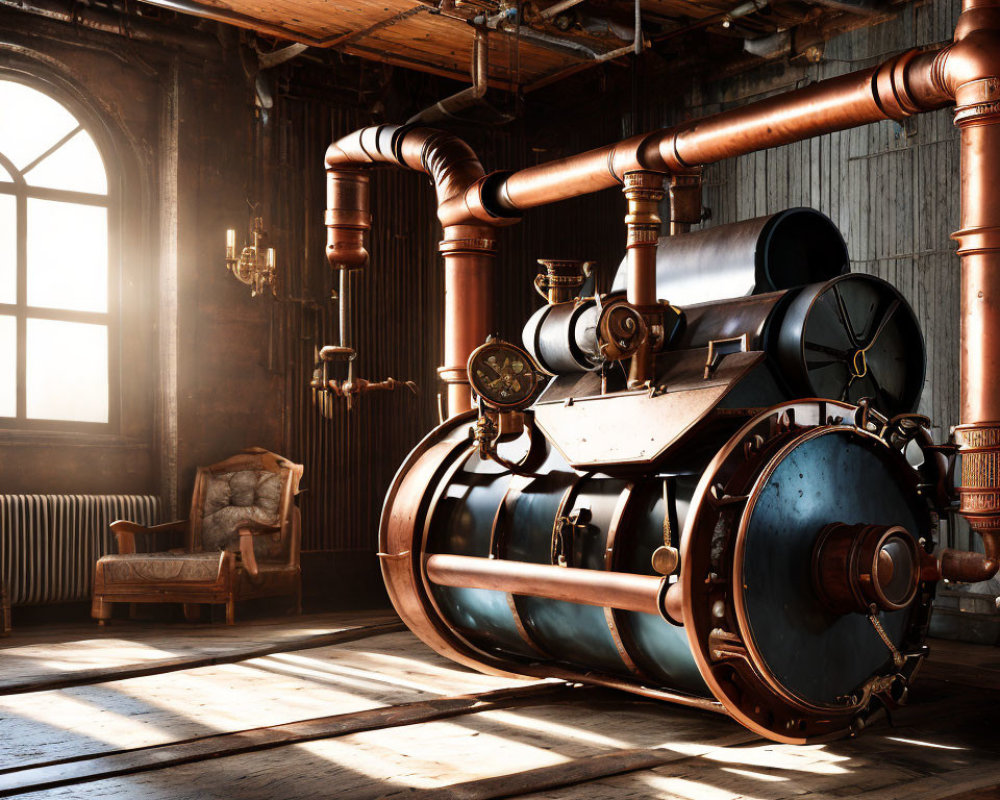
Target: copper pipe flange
453	374
891	88
977	100
856	566
980	489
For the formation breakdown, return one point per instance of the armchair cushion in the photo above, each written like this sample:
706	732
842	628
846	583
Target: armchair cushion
160	567
233	498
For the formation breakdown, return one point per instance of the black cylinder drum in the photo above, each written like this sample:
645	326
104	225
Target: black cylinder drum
792	248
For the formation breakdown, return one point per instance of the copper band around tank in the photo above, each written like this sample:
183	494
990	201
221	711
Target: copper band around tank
619	633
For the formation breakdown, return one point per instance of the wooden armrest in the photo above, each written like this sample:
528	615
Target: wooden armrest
125	532
247	530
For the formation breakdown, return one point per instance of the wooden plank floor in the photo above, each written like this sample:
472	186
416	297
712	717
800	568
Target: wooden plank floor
382	716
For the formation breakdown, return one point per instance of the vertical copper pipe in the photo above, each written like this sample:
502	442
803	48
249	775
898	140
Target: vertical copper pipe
469	239
644	191
972	70
469	252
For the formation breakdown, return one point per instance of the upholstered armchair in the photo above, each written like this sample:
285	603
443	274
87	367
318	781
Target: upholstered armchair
241	541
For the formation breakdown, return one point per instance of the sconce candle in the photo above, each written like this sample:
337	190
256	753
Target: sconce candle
255	264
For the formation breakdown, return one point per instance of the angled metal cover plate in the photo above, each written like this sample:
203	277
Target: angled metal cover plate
639	427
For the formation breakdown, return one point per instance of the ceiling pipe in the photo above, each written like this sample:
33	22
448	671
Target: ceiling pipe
773	46
894	90
467	98
119	23
743	10
281	55
557	8
637	40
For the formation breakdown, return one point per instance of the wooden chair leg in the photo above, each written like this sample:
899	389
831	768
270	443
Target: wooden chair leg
231	611
192	612
100	610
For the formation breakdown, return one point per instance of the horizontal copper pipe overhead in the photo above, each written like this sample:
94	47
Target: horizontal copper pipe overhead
589	587
901	86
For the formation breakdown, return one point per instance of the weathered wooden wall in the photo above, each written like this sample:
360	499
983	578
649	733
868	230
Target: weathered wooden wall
893	189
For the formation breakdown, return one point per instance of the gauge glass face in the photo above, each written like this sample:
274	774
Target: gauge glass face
502	375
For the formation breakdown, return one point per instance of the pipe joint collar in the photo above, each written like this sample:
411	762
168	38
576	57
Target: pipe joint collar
479	203
639	153
892	94
971	71
980	489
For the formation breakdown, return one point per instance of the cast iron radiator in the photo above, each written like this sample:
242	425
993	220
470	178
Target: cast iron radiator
49	543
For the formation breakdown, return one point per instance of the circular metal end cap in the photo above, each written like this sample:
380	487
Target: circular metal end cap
856	566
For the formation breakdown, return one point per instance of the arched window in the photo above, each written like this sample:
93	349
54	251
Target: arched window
58	294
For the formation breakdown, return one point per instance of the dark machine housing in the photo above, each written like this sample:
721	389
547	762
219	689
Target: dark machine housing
745	532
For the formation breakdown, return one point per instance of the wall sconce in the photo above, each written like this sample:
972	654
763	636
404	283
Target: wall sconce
255	265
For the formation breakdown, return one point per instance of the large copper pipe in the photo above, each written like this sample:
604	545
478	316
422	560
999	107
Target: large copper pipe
896	89
589	587
469	252
469	240
972	71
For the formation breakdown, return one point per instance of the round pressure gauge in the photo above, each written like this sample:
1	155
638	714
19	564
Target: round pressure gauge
503	375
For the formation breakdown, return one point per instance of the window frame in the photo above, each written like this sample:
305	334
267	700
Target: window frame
92	123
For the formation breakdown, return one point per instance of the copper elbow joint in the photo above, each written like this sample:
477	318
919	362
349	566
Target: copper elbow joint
478	204
966	567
